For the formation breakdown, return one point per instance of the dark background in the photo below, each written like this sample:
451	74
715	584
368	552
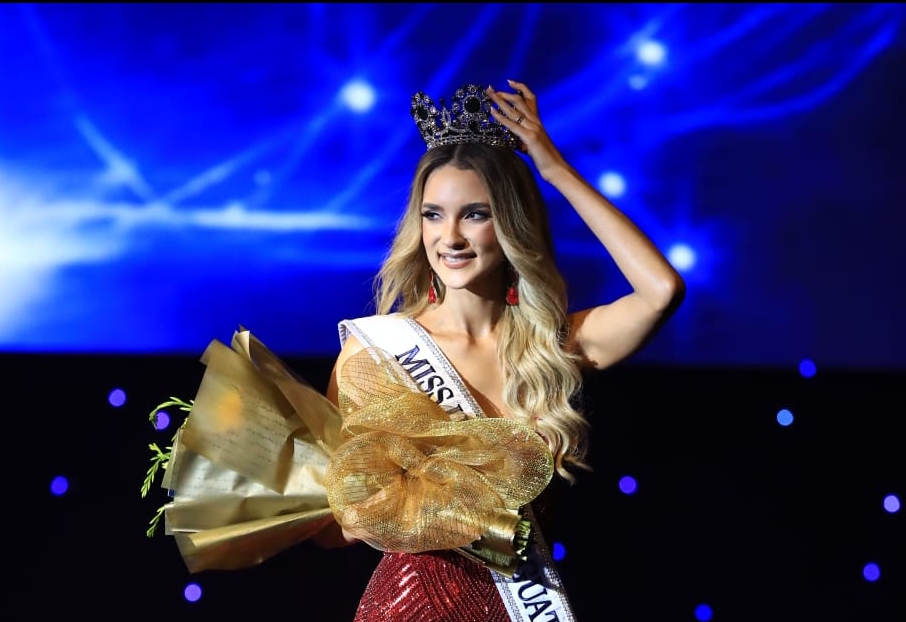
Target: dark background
757	520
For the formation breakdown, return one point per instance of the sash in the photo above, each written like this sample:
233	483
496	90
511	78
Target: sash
535	593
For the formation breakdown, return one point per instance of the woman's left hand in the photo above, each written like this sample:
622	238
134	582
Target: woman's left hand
518	112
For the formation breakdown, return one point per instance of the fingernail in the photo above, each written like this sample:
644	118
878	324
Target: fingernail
510	81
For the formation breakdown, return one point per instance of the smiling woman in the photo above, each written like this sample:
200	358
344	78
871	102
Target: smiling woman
470	300
458	233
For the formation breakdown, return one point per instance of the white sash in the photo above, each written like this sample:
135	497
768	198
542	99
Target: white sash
535	593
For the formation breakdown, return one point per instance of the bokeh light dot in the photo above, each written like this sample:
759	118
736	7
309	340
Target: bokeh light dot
871	572
807	368
59	485
161	420
892	503
637	82
651	53
703	613
192	592
682	256
784	417
358	96
628	485
612	184
117	398
558	551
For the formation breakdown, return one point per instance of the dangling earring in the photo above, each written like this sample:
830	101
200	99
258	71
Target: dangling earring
432	292
512	294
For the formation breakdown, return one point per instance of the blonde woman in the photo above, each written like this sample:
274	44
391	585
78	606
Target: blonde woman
471	303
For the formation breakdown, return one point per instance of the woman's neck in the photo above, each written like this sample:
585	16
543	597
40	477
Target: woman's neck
464	314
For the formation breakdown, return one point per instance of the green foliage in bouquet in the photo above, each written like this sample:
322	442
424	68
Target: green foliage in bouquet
160	458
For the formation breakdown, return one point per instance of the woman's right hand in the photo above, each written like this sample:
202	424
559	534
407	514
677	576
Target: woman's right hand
518	112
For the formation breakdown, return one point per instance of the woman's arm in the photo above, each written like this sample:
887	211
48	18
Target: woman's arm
610	332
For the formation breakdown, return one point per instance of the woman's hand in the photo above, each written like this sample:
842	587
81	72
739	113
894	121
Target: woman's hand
518	112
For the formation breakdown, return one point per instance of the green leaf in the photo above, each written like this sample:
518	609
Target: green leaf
160	458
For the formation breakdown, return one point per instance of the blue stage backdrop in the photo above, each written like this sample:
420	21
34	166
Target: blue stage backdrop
169	172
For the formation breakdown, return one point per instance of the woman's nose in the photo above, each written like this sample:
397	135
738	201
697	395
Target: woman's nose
452	236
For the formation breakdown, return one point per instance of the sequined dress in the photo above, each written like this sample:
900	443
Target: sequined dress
440	586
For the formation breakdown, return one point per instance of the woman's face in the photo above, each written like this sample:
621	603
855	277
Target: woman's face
458	232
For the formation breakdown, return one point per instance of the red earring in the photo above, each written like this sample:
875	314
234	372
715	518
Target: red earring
432	293
512	294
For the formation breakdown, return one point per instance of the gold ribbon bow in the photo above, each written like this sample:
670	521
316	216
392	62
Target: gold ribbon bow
410	479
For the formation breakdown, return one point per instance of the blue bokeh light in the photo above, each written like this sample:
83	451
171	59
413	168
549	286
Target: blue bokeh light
628	485
117	398
784	417
192	592
892	504
807	368
872	572
703	613
161	420
358	96
682	256
651	53
612	185
558	551
59	485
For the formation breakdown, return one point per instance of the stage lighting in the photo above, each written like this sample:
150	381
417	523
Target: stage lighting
682	257
651	53
358	95
612	184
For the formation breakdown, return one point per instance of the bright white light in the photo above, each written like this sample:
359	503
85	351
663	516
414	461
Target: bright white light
358	95
681	256
612	184
651	53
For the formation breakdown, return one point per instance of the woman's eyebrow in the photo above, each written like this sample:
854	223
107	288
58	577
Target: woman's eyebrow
466	207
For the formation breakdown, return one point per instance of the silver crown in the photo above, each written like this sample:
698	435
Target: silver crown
468	120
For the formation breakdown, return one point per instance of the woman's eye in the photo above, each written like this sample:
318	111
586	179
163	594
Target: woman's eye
429	215
478	215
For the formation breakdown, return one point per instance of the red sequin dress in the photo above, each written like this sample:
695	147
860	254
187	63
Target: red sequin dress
438	586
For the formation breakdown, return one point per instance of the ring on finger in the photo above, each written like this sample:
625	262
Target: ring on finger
519	120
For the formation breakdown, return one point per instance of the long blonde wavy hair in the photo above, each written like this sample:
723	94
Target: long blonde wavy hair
542	380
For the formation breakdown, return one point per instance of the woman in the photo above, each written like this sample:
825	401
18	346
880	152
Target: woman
470	301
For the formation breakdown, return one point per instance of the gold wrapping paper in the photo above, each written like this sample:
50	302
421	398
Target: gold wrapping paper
265	461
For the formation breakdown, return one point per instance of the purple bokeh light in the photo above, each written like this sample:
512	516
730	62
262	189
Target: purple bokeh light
192	592
784	417
703	613
871	571
117	398
892	503
628	485
161	420
59	485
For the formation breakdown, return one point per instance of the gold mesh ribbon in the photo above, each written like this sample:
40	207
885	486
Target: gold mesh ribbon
409	479
264	460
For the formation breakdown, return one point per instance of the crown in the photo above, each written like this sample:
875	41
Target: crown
468	120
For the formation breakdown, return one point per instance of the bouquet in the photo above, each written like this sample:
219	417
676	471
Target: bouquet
263	461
